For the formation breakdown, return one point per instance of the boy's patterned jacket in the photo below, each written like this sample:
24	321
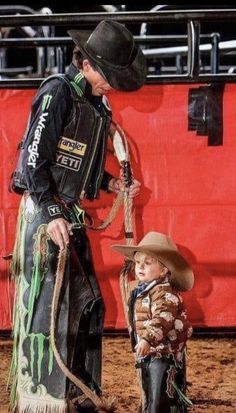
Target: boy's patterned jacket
157	314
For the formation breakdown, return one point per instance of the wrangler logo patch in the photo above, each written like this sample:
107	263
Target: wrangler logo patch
33	148
68	162
54	210
69	145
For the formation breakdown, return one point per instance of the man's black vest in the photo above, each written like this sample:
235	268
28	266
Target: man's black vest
80	156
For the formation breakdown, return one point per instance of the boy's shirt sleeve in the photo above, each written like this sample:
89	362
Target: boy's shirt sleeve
48	116
164	309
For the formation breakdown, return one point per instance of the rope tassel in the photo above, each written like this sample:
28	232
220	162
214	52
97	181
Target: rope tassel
107	405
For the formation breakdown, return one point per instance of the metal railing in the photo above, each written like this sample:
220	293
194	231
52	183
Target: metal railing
192	51
30	32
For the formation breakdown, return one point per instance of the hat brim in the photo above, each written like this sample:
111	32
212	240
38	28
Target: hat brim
181	273
126	79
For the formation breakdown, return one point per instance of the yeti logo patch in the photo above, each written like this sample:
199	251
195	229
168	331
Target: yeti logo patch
68	161
54	210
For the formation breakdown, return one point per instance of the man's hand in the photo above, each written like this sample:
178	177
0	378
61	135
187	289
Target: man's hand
116	185
59	230
142	348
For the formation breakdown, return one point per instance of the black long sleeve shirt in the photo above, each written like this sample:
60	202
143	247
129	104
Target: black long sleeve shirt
50	113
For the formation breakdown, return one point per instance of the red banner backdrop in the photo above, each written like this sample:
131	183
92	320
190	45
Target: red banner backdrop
188	192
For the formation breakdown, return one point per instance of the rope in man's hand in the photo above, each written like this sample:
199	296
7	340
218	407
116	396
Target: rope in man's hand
59	231
101	404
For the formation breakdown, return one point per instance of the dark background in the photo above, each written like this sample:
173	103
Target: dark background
24	57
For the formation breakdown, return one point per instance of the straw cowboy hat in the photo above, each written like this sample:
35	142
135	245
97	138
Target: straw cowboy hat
111	48
163	248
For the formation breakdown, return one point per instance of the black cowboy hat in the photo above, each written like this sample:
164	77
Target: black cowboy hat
111	48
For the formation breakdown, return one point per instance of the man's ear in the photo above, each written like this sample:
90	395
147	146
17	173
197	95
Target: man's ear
86	66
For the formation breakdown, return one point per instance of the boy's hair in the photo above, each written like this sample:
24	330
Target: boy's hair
164	266
155	258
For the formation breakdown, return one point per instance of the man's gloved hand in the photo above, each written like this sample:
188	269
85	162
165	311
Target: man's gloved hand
116	185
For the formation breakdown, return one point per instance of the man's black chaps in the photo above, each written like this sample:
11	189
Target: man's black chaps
86	326
79	318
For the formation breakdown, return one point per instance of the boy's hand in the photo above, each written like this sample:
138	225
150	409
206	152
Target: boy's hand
142	348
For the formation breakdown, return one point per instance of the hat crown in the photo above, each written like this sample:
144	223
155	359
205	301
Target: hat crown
165	249
112	42
158	239
111	50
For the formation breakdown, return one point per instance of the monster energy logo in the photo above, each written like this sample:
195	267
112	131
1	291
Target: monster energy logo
46	102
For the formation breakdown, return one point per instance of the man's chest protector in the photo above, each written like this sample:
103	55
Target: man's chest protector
80	154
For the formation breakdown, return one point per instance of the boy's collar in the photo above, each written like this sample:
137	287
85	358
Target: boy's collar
146	286
155	281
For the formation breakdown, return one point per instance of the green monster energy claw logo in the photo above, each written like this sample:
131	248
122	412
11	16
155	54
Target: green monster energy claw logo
46	102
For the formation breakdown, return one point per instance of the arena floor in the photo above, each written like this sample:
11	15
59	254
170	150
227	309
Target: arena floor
211	374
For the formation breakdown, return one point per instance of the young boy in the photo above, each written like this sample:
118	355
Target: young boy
159	326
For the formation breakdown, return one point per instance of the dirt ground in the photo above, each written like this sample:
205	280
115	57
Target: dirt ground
211	374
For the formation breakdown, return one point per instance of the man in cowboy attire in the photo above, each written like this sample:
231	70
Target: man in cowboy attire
61	162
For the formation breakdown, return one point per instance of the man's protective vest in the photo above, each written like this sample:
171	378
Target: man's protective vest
79	165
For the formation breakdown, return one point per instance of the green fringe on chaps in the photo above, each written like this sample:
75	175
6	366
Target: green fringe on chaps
37	383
